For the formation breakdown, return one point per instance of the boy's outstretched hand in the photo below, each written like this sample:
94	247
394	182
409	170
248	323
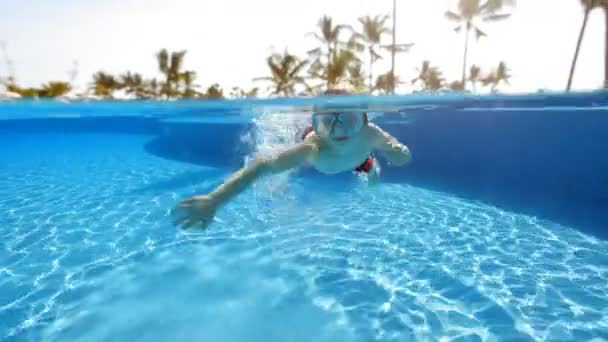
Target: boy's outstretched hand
195	211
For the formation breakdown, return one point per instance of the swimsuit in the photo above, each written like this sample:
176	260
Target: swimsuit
366	166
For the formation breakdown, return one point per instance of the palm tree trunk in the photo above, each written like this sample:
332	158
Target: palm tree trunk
371	64
606	47
578	48
167	89
329	53
393	49
466	50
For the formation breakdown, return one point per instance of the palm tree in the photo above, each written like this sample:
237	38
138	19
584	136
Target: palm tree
395	48
104	84
588	6
341	62
394	45
387	82
499	75
604	4
431	77
55	89
170	66
329	37
238	92
10	78
133	84
187	78
24	92
162	58
215	92
474	75
151	88
372	30
434	80
285	72
356	77
253	92
469	11
456	85
488	79
422	72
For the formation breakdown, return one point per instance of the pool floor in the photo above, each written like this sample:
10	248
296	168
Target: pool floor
89	253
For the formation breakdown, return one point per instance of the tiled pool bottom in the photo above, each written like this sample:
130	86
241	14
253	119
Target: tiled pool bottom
88	253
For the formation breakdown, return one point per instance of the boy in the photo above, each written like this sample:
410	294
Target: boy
336	142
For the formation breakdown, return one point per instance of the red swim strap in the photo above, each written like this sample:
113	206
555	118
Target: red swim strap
366	166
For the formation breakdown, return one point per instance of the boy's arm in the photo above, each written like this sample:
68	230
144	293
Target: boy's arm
245	176
393	150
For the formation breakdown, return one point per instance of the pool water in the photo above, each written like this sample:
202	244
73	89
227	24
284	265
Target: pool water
89	253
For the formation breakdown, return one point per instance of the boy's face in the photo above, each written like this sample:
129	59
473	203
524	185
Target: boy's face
338	126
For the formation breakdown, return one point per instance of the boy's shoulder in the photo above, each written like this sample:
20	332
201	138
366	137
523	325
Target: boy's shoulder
376	135
372	131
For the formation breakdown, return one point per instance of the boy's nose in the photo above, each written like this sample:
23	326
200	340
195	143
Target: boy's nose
339	129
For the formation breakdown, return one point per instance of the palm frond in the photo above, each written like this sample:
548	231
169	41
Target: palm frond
386	30
357	36
314	52
469	8
275	70
265	78
163	60
316	36
492	6
382	19
495	17
354	44
343	27
398	47
375	56
453	16
297	69
474	73
479	33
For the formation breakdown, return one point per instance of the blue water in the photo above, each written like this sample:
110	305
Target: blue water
89	253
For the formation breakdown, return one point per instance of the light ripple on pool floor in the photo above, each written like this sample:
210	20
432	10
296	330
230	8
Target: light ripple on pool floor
86	238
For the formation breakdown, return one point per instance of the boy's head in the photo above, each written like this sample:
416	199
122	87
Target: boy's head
337	123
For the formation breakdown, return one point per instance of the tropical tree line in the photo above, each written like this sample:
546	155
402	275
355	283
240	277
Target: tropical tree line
174	83
47	90
588	6
346	56
430	78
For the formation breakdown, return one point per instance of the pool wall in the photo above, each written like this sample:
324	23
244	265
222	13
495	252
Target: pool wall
557	159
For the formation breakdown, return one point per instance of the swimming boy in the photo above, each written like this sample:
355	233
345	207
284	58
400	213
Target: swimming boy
337	141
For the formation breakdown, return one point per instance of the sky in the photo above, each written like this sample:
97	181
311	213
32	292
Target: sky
227	41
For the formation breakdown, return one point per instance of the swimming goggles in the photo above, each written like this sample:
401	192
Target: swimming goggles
338	124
